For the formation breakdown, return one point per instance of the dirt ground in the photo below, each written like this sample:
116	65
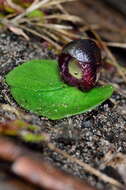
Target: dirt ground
87	136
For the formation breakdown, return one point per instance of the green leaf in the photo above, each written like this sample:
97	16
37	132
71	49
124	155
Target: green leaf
35	14
61	103
36	86
36	75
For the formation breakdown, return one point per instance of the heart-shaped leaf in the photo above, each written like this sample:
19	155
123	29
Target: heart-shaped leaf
36	86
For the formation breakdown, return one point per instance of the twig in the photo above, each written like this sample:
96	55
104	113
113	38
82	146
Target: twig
46	176
87	167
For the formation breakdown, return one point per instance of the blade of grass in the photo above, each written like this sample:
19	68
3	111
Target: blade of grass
41	36
67	33
58	26
66	17
116	44
56	2
50	34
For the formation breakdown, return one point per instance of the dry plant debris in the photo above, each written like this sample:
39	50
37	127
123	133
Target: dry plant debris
11	152
44	19
26	165
116	160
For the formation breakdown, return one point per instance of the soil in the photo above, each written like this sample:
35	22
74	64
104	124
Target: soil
86	136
